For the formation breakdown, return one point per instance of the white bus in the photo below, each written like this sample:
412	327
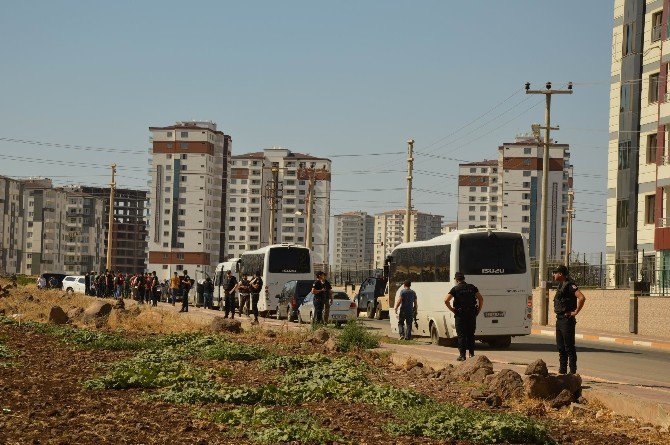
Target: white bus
494	260
277	264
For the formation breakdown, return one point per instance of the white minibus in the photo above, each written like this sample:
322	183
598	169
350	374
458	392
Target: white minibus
494	260
278	264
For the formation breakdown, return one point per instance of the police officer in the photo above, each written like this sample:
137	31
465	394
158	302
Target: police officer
229	295
256	288
408	305
244	289
320	294
568	301
468	303
185	284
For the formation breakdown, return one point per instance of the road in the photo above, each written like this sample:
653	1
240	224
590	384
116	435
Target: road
598	362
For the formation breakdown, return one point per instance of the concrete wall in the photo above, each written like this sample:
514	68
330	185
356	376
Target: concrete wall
606	310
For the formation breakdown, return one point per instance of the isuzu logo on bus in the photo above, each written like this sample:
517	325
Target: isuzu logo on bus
493	271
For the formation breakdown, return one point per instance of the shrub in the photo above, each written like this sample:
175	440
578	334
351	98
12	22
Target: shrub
355	336
234	351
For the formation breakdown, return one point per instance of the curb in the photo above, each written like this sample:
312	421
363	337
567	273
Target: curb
609	339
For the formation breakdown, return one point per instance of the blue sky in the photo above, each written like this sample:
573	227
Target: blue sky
326	78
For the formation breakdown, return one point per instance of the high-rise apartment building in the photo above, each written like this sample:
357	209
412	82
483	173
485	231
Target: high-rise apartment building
354	241
251	183
187	192
507	193
390	230
63	230
11	225
638	195
129	252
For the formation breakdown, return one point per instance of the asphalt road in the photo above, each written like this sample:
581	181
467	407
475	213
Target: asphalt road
597	361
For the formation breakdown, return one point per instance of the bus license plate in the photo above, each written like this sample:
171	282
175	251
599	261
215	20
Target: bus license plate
494	314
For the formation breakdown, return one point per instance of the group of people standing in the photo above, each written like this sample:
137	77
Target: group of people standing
466	302
249	289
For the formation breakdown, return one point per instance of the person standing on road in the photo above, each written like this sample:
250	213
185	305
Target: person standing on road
174	288
568	302
468	303
408	305
208	292
244	289
229	295
256	288
327	297
319	292
185	284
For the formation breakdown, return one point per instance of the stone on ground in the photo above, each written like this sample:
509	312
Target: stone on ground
331	345
547	388
321	335
507	384
220	324
97	309
564	398
57	315
74	312
538	367
471	366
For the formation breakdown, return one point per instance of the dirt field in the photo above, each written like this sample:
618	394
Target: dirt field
44	397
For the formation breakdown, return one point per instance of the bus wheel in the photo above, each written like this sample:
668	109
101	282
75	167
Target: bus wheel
434	336
502	342
369	310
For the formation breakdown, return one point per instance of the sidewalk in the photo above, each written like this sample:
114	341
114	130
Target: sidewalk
608	337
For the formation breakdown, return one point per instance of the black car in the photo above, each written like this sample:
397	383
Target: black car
371	288
291	297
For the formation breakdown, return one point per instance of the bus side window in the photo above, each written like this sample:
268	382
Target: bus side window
428	264
442	272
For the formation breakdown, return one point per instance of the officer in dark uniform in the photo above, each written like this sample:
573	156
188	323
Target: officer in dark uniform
229	298
568	301
468	303
320	294
256	288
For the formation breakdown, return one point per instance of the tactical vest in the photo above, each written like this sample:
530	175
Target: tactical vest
565	299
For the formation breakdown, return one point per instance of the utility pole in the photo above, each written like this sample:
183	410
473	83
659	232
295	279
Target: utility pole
272	192
568	241
408	212
542	270
110	223
310	205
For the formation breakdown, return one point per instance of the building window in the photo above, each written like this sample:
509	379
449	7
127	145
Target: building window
622	213
624	155
183	145
483	189
625	99
653	88
471	217
649	209
184	134
473	170
526	162
652	145
526	172
473	189
169	134
526	150
526	185
656	24
183	179
184	156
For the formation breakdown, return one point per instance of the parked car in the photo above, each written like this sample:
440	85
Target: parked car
74	284
291	297
366	299
342	310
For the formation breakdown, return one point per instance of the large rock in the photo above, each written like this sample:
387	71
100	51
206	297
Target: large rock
321	335
331	345
548	387
220	324
74	312
538	367
472	366
564	398
480	374
57	315
97	309
507	384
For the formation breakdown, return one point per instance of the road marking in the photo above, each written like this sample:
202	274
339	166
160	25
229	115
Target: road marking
608	339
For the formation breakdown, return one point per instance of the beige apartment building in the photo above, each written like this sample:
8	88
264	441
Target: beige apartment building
11	225
354	241
187	192
251	187
63	230
507	193
390	229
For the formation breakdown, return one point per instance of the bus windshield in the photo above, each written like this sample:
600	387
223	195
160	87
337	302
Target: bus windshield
289	260
492	253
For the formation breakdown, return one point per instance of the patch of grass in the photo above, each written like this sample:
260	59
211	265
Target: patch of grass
234	351
396	341
446	421
97	339
355	336
6	355
270	426
293	362
149	369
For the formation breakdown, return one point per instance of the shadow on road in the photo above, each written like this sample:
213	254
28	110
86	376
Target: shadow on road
549	347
